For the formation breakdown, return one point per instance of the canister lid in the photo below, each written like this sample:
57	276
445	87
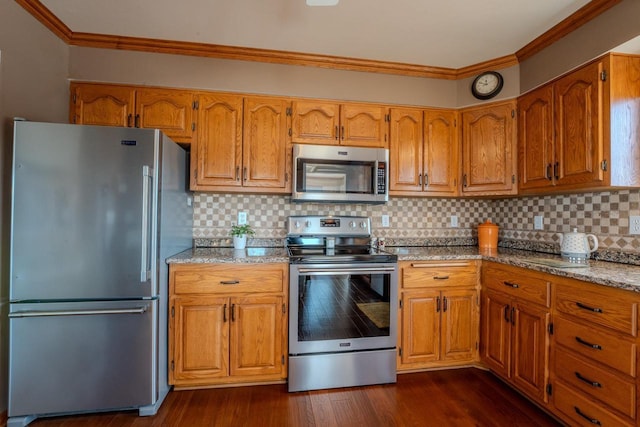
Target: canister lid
488	224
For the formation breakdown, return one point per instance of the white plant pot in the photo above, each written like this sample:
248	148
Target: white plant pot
240	242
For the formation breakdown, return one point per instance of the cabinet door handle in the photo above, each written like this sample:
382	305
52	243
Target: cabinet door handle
224	313
588	344
593	421
233	312
511	284
586	307
588	381
549	176
129	120
556	169
136	122
444	304
342	132
437	304
244	173
237	173
426	179
464	180
440	277
506	313
513	315
229	282
420	179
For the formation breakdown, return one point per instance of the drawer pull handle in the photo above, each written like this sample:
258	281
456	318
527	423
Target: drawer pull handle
588	381
586	417
511	285
588	344
229	282
440	277
586	307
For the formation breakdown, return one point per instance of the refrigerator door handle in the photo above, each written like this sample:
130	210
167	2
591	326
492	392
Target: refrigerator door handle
147	178
136	310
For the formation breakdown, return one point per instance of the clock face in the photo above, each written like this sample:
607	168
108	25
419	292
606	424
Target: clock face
487	85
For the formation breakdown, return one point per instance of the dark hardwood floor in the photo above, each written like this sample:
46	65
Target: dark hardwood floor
459	397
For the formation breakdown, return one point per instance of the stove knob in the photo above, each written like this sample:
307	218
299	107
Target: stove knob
352	224
296	224
307	224
363	224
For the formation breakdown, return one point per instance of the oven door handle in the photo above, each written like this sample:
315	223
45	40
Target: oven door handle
345	271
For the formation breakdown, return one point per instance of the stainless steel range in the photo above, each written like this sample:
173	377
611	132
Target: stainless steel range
343	304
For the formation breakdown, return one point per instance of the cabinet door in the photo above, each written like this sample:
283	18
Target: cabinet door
256	336
420	340
406	150
579	139
315	123
363	125
217	153
535	134
441	149
530	349
459	329
200	339
489	150
266	143
104	105
172	111
496	332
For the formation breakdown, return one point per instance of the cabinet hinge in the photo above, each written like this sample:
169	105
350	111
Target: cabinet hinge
513	114
289	111
286	177
284	308
387	118
476	345
173	366
603	165
282	360
550	328
290	132
75	119
195	173
195	105
400	351
455	123
193	127
603	75
513	179
400	303
173	312
549	389
75	97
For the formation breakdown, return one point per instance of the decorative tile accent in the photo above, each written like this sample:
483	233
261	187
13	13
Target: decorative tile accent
604	214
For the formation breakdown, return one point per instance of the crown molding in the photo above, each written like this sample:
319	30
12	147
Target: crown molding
60	29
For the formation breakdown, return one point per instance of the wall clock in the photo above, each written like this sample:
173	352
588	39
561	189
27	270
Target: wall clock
487	85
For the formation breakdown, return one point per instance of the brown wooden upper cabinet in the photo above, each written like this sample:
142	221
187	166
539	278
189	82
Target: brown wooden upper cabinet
424	152
325	123
489	154
171	110
242	145
581	131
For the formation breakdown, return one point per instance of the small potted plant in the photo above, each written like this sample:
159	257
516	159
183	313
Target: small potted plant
240	233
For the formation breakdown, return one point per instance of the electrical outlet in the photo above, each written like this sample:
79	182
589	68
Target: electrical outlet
454	220
385	220
242	218
538	222
634	224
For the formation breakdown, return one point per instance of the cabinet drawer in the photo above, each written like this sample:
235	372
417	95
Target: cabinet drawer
582	411
422	274
596	344
518	282
227	278
597	304
597	382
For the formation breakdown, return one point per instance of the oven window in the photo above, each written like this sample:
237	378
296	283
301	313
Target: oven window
320	176
332	307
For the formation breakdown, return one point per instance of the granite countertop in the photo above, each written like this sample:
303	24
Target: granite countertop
623	276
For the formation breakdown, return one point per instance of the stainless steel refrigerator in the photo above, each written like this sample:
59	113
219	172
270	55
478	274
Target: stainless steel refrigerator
95	212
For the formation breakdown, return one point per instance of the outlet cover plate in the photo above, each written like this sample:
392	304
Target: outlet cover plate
242	218
538	222
634	224
385	220
454	221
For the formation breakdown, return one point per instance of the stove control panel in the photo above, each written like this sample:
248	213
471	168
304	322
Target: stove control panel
329	225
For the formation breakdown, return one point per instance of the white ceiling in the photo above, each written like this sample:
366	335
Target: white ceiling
439	33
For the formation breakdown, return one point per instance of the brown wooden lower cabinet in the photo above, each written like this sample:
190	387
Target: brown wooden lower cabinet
224	327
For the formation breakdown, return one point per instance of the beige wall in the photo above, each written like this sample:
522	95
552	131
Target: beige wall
614	27
141	68
33	71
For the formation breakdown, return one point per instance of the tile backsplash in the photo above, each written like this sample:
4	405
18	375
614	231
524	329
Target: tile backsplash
604	214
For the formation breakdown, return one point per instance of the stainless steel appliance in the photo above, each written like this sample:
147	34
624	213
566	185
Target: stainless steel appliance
95	211
343	304
333	173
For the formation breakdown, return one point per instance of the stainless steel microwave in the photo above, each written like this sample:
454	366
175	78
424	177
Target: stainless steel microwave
328	173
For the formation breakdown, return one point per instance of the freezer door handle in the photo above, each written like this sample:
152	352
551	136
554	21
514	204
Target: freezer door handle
147	177
35	313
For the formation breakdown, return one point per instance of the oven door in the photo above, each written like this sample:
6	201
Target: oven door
342	307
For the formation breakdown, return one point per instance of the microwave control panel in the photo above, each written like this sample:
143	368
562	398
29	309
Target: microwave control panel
382	178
